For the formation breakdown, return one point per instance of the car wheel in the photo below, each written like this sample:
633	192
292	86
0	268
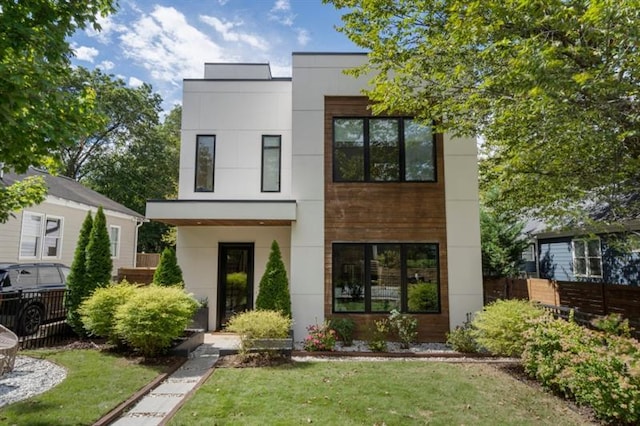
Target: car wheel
30	320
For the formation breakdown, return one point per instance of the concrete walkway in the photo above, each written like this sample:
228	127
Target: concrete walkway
157	406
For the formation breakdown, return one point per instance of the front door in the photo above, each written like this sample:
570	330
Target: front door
235	280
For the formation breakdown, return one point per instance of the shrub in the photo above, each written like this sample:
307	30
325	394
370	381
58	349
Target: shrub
259	324
379	331
153	317
613	324
461	339
344	328
168	271
99	263
320	338
274	286
404	326
423	297
77	279
98	311
499	327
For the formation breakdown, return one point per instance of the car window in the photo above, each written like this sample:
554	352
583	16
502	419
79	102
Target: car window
4	278
24	277
65	273
49	275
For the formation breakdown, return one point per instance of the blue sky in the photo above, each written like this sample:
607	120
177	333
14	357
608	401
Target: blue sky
164	41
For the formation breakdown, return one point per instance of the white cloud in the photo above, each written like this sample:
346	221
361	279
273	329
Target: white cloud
108	29
281	5
135	82
303	36
106	65
281	13
223	2
85	53
225	28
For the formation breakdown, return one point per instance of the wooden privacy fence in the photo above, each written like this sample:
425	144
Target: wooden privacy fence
147	260
136	275
592	298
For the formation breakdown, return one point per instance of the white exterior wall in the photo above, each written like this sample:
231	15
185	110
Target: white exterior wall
72	214
197	253
238	113
314	77
463	228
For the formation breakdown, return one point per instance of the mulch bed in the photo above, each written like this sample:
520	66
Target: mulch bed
253	359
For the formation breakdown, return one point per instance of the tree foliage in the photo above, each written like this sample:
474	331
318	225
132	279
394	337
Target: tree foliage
502	244
274	285
77	281
31	190
99	263
553	86
168	271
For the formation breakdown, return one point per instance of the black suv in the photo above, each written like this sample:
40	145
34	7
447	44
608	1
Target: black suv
31	294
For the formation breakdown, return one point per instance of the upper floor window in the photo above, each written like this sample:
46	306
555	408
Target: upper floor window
271	160
587	258
205	162
114	238
383	150
40	236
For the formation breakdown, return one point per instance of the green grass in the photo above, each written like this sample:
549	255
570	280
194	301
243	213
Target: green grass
371	393
96	383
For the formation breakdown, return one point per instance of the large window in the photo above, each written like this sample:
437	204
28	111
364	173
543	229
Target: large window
380	277
587	258
271	149
205	162
382	150
40	236
114	238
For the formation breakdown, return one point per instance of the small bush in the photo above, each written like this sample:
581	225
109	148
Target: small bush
405	327
153	317
613	324
423	297
379	331
273	293
168	271
98	311
320	338
461	339
499	327
344	328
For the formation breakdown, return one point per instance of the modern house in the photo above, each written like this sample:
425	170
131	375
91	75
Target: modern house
48	232
372	213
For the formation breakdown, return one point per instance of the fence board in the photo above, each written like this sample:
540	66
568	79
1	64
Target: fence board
136	275
584	296
147	260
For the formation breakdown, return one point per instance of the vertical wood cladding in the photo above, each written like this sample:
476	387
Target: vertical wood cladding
383	212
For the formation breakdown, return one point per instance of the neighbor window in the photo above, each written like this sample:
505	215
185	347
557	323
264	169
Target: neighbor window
380	277
40	236
205	162
587	258
271	154
382	150
114	238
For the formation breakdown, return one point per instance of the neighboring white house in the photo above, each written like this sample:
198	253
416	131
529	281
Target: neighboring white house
48	232
371	213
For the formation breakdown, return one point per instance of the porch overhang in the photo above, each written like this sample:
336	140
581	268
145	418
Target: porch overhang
222	212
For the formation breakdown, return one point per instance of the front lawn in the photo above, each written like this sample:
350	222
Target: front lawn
372	393
96	383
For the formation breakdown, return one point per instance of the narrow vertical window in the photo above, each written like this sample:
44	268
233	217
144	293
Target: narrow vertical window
348	150
384	149
114	237
421	270
205	162
271	163
31	235
348	278
52	237
419	152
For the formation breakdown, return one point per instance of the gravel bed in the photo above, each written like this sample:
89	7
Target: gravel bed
30	377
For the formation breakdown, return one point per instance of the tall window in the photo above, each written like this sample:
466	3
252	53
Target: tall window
271	154
380	277
587	258
383	150
205	162
40	236
114	238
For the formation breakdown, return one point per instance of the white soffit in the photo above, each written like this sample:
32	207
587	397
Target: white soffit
221	210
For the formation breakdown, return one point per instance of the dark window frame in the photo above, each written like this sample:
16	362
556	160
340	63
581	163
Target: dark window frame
367	150
404	282
213	164
262	168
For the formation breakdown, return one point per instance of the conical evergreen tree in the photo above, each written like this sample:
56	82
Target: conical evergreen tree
77	279
168	271
274	285
99	264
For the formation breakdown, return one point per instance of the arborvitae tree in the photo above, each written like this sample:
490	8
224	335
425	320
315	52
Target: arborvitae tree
274	286
77	279
99	264
168	271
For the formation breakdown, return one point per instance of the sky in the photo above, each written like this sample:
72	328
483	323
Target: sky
162	42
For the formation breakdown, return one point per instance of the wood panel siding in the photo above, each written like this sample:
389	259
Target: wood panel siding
377	212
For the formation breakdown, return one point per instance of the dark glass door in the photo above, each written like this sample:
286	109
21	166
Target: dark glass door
235	280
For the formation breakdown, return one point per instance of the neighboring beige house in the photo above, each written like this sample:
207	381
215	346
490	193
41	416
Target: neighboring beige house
48	232
371	213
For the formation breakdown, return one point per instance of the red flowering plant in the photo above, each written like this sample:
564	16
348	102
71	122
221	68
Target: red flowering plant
320	338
